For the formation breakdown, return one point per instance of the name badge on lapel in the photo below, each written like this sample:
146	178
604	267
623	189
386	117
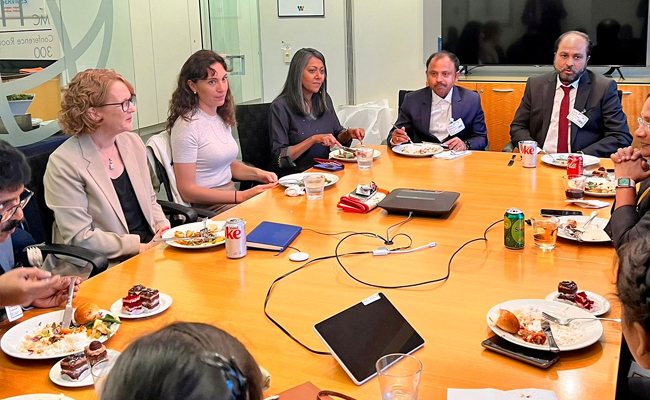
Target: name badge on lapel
577	118
456	127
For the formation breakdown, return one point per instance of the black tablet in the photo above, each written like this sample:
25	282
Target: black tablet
360	335
433	203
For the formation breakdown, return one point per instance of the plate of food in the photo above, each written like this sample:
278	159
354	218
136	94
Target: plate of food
74	370
214	235
519	322
40	396
600	187
141	302
348	156
561	159
297	179
41	337
571	228
567	292
418	149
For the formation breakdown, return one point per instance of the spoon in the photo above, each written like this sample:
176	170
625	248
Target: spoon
591	218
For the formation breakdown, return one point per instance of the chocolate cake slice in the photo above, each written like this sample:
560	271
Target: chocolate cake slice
567	290
150	298
136	290
95	352
75	366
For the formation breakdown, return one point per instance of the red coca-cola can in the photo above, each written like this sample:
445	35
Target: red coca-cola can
574	165
235	238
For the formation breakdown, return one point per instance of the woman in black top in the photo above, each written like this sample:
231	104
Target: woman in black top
302	120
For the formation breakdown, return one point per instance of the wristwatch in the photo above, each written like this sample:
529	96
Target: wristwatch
467	144
625	183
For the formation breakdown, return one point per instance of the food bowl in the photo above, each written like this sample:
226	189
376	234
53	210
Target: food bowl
19	107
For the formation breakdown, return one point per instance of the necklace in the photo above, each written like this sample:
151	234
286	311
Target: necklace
111	164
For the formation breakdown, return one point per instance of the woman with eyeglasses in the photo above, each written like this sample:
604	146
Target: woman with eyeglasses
630	217
302	121
97	182
200	122
185	361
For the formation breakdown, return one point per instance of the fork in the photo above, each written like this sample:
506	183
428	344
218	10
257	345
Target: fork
34	256
567	321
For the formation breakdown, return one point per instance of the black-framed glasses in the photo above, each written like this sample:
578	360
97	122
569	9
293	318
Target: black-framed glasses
235	379
125	104
5	215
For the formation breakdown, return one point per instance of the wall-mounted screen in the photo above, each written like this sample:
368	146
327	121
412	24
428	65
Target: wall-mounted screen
523	32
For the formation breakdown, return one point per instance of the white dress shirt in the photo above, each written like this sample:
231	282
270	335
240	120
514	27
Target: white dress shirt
550	145
440	115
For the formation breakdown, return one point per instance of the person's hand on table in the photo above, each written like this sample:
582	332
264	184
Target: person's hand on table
266	176
456	144
326	139
255	190
25	286
146	246
399	137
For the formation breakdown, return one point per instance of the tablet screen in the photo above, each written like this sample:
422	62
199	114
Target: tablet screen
360	335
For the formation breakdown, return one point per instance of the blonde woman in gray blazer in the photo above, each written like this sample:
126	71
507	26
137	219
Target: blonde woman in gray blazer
97	182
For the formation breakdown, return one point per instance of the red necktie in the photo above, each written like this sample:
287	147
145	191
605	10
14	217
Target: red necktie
563	124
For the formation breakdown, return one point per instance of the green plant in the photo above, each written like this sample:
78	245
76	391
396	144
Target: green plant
14	97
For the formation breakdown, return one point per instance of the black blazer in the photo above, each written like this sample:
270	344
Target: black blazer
630	222
415	116
604	133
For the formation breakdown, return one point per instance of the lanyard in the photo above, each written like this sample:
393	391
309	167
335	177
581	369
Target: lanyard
645	193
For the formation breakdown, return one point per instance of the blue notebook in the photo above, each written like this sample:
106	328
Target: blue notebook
272	236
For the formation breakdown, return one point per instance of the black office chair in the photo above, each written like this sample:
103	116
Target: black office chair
400	97
254	137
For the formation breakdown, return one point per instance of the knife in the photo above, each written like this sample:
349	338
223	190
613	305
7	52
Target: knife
175	239
67	314
512	160
546	327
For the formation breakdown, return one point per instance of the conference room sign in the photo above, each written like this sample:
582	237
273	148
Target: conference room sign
27	31
301	8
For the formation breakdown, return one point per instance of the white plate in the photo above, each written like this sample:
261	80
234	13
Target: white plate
42	396
560	159
591	330
195	226
335	155
603	182
293	179
12	339
165	302
64	380
406	149
601	304
594	233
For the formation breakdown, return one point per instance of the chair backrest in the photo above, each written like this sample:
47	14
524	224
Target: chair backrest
39	218
253	131
400	97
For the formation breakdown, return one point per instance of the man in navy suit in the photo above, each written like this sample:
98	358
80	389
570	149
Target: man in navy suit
442	112
572	109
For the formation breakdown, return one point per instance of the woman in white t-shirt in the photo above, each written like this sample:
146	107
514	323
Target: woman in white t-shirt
201	116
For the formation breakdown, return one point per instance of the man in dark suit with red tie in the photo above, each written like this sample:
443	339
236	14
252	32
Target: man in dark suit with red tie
572	109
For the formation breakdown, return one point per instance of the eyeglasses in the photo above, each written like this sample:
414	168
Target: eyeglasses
235	379
642	123
24	199
125	104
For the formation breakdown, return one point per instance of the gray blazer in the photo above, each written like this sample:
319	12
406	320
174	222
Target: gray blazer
630	222
604	133
87	211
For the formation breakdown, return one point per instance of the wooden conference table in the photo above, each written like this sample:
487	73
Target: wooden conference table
451	316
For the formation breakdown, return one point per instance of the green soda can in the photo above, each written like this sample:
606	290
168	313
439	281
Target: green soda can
514	233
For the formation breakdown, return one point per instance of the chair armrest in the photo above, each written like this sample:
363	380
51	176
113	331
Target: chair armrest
509	148
97	260
203	213
177	209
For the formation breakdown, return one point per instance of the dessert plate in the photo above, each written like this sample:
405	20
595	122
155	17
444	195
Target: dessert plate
340	155
64	380
578	335
216	226
165	302
40	396
296	179
418	149
593	234
560	159
11	340
601	304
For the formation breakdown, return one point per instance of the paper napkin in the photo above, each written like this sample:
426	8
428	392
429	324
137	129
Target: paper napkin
451	155
494	394
355	205
589	203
